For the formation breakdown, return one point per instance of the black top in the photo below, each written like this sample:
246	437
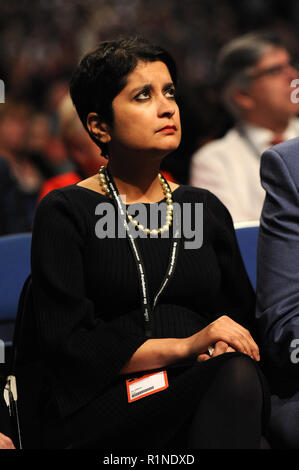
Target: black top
86	291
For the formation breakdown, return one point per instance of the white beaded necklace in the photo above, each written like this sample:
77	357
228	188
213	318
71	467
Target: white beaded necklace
167	193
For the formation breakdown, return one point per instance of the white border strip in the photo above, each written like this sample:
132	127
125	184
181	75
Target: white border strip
250	223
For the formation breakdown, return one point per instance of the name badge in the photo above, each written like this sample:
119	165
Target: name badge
146	385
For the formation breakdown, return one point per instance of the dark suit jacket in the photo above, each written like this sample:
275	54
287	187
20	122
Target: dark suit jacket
278	264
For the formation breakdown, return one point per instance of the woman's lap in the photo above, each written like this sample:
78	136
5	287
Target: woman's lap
156	420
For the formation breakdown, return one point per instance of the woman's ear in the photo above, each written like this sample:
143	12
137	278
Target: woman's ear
99	129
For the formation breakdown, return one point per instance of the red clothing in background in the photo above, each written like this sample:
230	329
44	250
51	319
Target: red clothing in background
72	177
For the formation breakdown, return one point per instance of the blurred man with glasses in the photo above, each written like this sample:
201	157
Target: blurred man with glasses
254	75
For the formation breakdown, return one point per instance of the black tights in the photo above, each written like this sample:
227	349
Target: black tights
229	414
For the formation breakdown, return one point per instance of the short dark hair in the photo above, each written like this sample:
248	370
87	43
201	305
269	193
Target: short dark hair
102	74
238	57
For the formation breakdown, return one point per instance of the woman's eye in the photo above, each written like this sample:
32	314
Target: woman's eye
144	95
170	93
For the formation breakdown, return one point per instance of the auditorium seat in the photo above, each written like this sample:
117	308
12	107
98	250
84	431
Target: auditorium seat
247	236
14	269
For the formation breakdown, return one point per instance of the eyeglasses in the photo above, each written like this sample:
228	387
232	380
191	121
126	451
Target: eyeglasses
275	70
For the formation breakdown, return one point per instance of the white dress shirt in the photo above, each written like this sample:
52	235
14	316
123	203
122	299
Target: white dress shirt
230	168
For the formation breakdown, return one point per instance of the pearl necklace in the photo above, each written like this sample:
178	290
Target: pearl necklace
167	193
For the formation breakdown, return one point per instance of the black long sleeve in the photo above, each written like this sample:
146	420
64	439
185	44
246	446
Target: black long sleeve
86	295
84	353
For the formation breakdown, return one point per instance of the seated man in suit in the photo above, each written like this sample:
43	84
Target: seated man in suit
278	288
254	75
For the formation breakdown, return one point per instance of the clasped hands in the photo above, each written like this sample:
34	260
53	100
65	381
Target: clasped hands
224	335
220	347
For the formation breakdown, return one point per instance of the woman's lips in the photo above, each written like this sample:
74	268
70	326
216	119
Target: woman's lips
167	129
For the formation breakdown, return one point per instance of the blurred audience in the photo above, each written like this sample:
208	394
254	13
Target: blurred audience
20	179
254	75
43	43
84	156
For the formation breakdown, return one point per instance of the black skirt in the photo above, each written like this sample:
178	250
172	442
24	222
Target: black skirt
160	420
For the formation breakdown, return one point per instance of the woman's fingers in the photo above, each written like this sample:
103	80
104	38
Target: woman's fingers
241	343
220	348
203	357
227	330
244	336
251	343
251	346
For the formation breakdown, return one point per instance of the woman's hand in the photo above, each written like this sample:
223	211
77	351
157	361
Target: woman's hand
224	334
219	348
224	330
5	442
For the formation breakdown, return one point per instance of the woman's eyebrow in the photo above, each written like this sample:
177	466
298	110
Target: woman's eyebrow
168	85
149	86
146	86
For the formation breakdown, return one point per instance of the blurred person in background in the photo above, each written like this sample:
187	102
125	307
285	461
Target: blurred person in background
42	147
254	76
84	156
20	179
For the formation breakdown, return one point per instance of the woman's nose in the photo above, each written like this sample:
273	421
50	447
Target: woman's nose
166	107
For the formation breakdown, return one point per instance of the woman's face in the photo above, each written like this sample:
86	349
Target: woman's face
146	115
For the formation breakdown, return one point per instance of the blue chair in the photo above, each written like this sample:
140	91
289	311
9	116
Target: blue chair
247	236
14	269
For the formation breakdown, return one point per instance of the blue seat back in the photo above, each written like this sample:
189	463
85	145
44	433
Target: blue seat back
247	238
14	269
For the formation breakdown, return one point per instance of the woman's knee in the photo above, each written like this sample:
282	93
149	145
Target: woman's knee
241	380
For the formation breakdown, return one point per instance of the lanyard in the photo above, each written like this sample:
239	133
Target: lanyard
143	285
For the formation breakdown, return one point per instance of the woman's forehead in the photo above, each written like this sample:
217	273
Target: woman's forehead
147	71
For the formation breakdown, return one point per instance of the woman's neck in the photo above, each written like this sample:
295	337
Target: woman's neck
140	184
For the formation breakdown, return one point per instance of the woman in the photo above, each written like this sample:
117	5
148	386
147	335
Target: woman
93	296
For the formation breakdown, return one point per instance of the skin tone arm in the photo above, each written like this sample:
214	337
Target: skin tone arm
6	442
224	333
